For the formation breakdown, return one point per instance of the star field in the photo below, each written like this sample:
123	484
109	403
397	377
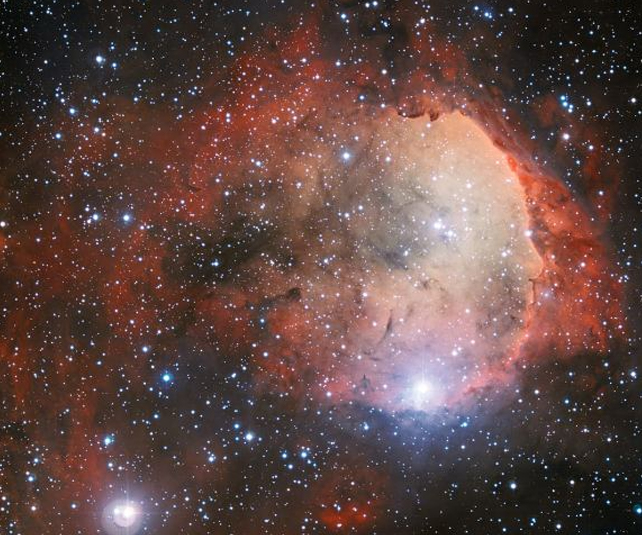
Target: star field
341	267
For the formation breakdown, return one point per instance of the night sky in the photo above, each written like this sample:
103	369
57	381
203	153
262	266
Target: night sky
332	267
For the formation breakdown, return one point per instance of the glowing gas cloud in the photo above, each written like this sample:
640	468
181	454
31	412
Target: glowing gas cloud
409	252
329	273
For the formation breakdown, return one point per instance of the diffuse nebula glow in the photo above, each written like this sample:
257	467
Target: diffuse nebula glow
348	228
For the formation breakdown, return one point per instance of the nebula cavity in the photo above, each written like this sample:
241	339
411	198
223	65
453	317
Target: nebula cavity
409	262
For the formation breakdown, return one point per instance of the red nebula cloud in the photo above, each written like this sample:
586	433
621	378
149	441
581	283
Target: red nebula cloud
349	502
188	186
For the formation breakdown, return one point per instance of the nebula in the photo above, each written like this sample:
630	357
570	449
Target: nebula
408	255
350	230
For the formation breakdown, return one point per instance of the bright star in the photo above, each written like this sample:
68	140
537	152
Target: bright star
422	388
122	516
